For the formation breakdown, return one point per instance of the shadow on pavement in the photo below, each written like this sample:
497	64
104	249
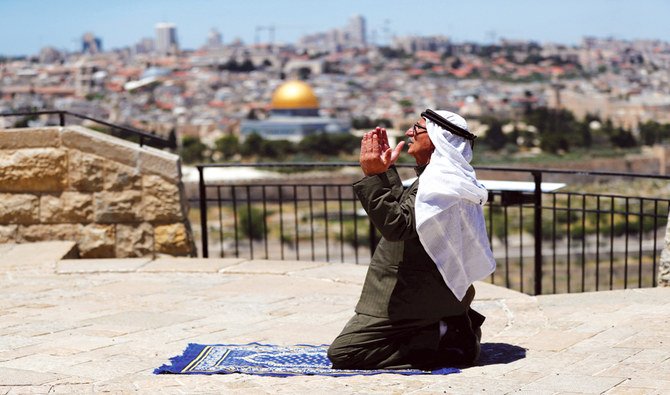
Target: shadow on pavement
500	353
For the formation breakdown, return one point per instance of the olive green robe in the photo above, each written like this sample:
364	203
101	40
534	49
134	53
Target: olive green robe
404	295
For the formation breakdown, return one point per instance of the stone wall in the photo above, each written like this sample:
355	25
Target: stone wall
111	196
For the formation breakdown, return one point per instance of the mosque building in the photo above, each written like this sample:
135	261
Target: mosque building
294	114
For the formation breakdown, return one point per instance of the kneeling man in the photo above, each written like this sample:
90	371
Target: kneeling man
414	309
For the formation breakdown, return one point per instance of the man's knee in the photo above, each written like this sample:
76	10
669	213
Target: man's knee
338	354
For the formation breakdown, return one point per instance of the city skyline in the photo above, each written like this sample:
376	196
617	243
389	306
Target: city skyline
35	24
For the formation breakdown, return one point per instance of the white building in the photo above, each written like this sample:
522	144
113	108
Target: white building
166	39
356	30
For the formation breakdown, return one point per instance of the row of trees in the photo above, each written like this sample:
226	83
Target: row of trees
226	148
559	131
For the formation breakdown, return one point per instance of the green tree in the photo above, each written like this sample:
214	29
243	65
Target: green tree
192	150
251	222
494	139
23	122
228	146
318	144
252	145
255	145
623	138
346	143
278	149
557	128
652	132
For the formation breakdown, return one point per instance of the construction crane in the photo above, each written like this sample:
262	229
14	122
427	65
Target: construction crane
271	31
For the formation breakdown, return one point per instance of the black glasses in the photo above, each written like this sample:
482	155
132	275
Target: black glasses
417	126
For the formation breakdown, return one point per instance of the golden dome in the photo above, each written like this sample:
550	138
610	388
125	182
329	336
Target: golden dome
294	95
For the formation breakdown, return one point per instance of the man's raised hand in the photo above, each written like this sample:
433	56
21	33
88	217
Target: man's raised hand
376	154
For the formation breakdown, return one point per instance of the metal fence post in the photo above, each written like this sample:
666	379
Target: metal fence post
203	212
537	203
61	118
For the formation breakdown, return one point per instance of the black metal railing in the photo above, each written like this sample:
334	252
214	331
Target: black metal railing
566	240
143	138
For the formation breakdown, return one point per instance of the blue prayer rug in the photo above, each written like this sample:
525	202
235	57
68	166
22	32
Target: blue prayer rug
267	360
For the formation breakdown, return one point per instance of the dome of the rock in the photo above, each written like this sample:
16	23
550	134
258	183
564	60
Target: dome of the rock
294	95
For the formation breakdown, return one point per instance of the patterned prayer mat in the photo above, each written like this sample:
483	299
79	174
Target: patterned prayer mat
267	360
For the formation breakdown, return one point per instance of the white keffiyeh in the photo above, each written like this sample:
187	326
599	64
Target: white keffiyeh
449	215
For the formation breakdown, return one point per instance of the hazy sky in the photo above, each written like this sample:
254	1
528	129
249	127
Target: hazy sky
28	25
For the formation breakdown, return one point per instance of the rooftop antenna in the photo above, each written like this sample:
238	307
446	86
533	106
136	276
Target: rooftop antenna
492	36
386	32
271	33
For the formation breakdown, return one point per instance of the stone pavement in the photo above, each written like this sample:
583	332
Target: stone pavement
90	326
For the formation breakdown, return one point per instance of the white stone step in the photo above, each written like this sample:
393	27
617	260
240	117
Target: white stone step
39	256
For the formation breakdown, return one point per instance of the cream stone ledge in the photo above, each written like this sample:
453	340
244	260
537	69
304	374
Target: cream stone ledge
146	159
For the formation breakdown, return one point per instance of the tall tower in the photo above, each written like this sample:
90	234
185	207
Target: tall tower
356	30
166	39
214	39
90	44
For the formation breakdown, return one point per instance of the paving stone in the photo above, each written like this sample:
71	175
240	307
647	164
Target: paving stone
644	339
71	388
212	265
22	390
648	356
36	256
11	377
570	383
44	362
554	340
131	287
141	319
654	384
13	342
596	362
100	265
632	391
346	273
271	267
5	248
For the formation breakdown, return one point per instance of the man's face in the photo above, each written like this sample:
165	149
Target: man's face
420	146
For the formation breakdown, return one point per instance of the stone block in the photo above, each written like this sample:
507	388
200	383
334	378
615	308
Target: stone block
124	265
195	265
33	170
160	200
272	266
43	232
96	241
100	144
86	172
68	207
19	208
134	241
115	207
8	233
12	139
164	164
172	239
25	378
120	177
